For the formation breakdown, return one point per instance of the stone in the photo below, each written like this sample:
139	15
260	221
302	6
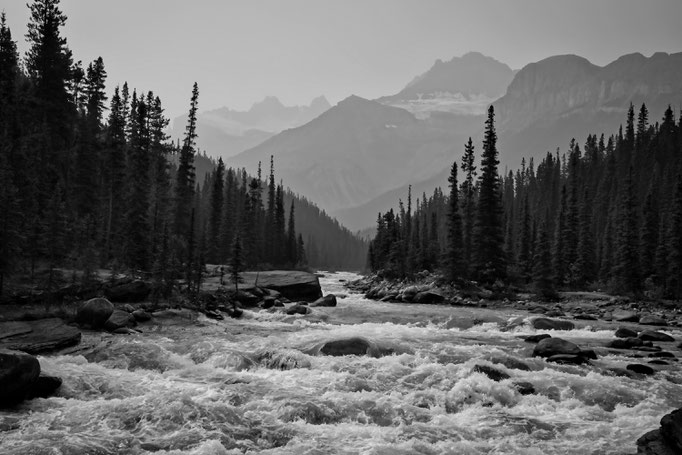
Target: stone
328	300
625	316
409	292
128	307
141	316
43	335
536	338
388	298
292	284
624	332
428	297
651	335
671	429
567	358
525	388
135	291
624	343
585	316
552	324
212	314
658	362
588	354
18	374
665	354
492	373
553	346
641	369
246	299
268	302
94	312
119	319
348	346
512	363
651	319
298	309
44	387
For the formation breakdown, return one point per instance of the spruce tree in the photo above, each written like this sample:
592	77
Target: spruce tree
292	243
674	242
454	249
490	260
185	177
626	268
542	266
468	191
216	215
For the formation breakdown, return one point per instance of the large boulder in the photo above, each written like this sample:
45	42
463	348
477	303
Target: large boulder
94	312
552	324
295	285
553	346
624	332
666	440
18	374
297	309
119	319
651	319
34	337
135	291
348	346
625	316
328	300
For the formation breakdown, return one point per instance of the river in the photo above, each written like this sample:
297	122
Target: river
251	386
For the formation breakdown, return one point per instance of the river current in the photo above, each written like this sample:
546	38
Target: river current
255	385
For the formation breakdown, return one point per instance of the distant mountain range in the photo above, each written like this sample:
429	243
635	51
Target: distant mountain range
359	157
225	132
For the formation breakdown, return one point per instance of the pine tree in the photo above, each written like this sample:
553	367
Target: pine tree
489	240
217	194
626	268
542	266
185	177
468	202
236	262
674	263
648	240
292	243
560	264
454	250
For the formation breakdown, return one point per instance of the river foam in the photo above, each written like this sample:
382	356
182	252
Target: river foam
258	385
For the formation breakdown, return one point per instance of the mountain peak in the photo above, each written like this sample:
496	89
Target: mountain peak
320	103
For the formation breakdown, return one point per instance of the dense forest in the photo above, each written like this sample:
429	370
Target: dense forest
604	216
82	188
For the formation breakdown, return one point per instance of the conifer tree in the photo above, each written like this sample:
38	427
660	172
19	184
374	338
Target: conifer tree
627	266
454	250
468	191
648	241
292	242
674	262
217	203
236	262
184	187
560	265
542	266
489	240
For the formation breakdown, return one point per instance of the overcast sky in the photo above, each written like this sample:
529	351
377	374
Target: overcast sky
241	51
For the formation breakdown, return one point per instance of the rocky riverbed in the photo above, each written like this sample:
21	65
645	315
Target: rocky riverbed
363	376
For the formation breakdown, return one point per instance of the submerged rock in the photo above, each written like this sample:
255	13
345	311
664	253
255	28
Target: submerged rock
552	324
625	343
639	368
525	388
348	346
94	312
141	315
298	309
44	387
492	373
567	358
625	316
537	338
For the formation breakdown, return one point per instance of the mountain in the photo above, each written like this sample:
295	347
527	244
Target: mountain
225	132
463	85
357	150
566	96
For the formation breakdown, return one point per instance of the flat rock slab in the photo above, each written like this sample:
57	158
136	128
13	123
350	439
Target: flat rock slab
45	335
292	284
552	324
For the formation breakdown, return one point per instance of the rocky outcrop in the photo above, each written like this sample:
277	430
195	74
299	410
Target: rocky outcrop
18	372
39	336
554	346
292	284
94	313
666	440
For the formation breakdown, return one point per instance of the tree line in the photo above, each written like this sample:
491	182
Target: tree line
82	191
605	215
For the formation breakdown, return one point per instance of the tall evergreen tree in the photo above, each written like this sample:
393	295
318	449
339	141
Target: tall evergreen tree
489	239
674	242
216	215
454	249
468	191
627	265
542	266
184	186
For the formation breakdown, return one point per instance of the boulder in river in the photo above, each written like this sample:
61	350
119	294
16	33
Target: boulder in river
652	335
625	343
651	319
641	369
134	291
34	337
666	440
625	316
141	315
119	319
553	346
18	373
328	300
493	373
537	338
348	346
94	312
298	309
552	324
292	284
624	332
567	359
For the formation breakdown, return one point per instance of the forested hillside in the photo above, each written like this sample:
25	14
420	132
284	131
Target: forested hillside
87	182
606	214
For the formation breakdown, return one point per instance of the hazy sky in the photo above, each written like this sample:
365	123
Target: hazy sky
241	51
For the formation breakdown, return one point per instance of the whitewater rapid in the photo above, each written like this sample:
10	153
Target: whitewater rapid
254	386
